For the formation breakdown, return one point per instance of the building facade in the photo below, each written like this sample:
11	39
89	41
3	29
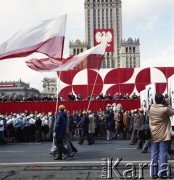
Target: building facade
49	86
130	53
18	89
103	23
77	47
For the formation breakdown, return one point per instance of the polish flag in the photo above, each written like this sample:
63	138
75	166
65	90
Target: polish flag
45	37
90	59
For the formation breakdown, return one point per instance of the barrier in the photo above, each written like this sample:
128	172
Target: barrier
15	107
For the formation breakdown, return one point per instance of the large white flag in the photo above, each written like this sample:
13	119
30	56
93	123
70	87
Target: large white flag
90	59
46	37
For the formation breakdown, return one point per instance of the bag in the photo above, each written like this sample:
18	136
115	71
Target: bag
53	149
144	132
68	147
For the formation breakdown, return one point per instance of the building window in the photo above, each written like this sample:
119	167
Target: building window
74	51
133	49
129	49
81	50
108	63
77	51
126	50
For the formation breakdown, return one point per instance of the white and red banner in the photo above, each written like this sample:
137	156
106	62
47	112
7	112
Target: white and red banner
90	59
45	37
104	36
121	80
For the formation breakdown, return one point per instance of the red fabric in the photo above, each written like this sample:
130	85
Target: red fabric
93	61
15	107
43	47
90	59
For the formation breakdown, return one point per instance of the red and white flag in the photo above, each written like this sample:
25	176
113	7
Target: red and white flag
90	59
46	37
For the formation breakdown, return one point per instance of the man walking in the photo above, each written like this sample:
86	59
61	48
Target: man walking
60	132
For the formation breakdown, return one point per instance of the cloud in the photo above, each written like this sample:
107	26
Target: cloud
160	58
145	9
149	20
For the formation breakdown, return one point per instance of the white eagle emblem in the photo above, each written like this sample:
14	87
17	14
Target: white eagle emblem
103	37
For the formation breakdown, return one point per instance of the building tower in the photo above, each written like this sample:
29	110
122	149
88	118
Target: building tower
130	53
103	22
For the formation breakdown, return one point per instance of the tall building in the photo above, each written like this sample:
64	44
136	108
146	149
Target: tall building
103	23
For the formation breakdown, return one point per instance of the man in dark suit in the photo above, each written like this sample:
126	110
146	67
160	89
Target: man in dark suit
60	132
84	125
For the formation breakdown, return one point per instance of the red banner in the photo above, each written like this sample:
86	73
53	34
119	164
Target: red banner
104	35
3	85
16	107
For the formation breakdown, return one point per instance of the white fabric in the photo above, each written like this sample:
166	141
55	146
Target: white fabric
99	49
36	34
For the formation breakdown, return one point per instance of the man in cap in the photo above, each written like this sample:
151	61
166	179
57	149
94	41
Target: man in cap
60	131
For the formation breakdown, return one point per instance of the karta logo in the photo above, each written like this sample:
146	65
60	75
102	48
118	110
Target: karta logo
104	36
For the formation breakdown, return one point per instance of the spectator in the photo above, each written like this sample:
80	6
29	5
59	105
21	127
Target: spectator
100	97
126	96
109	97
71	97
2	128
79	97
91	97
29	98
134	96
109	122
38	125
160	128
91	129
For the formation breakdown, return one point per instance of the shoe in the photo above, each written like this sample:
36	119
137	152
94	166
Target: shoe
66	155
80	143
58	158
143	151
70	155
75	152
154	177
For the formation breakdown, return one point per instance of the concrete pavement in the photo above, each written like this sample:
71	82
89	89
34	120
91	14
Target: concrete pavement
32	161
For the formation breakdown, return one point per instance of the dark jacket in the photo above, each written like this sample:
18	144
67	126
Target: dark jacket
60	125
84	123
109	120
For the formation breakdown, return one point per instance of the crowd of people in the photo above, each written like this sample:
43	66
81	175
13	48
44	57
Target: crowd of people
101	96
70	97
112	123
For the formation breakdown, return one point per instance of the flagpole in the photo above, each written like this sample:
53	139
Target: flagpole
93	89
57	102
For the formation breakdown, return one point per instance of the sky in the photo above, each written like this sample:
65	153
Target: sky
152	21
